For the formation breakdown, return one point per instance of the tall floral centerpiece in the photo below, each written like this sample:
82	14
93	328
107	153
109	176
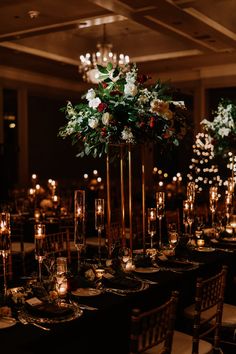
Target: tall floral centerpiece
121	109
222	129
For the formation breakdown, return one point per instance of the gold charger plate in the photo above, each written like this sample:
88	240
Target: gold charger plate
229	239
205	249
86	292
146	270
6	322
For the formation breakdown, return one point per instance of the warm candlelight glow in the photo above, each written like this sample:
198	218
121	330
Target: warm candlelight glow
200	242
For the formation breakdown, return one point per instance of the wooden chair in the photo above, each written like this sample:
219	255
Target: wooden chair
228	321
153	329
21	250
58	244
206	317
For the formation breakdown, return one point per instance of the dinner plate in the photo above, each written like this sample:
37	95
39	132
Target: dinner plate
146	270
86	292
205	249
7	322
229	239
76	312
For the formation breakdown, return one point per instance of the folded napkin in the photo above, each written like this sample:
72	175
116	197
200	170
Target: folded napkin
121	282
49	310
173	263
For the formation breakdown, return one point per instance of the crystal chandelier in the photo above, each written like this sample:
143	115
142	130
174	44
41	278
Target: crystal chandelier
104	55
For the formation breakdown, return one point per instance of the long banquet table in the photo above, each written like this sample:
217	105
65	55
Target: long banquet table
106	330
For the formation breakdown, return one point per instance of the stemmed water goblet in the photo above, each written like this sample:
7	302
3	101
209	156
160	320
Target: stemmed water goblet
160	208
40	247
79	222
99	224
5	245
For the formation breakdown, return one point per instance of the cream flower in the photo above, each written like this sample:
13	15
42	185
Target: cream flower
91	94
106	117
130	89
93	123
159	107
127	135
94	103
224	131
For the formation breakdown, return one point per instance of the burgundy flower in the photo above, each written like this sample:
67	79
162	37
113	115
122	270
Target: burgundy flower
103	132
142	78
102	106
152	122
104	84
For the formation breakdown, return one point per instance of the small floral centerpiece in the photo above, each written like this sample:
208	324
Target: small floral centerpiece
222	129
122	110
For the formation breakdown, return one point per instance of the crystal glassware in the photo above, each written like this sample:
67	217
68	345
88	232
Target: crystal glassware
228	207
5	245
79	222
40	249
191	191
185	215
152	223
160	208
213	199
99	223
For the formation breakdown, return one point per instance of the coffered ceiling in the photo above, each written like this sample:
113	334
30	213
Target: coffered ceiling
159	35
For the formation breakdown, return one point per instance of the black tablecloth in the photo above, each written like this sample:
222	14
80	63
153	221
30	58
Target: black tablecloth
107	330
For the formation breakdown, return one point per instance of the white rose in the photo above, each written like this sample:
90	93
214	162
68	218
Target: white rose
130	89
106	118
91	94
224	131
93	123
94	103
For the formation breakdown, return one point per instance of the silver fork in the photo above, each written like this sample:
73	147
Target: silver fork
24	321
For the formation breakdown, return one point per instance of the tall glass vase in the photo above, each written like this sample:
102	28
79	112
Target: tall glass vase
5	246
79	222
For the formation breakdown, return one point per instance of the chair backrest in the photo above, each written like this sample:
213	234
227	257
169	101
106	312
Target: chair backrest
209	302
154	327
58	244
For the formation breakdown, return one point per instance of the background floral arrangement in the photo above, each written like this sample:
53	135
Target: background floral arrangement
222	129
122	110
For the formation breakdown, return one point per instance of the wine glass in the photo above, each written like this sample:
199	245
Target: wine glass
79	222
190	216
5	245
160	203
152	219
213	197
191	191
99	223
172	234
228	206
185	215
40	249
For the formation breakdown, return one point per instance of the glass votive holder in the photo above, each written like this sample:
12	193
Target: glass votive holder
61	265
151	252
61	285
200	242
99	273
